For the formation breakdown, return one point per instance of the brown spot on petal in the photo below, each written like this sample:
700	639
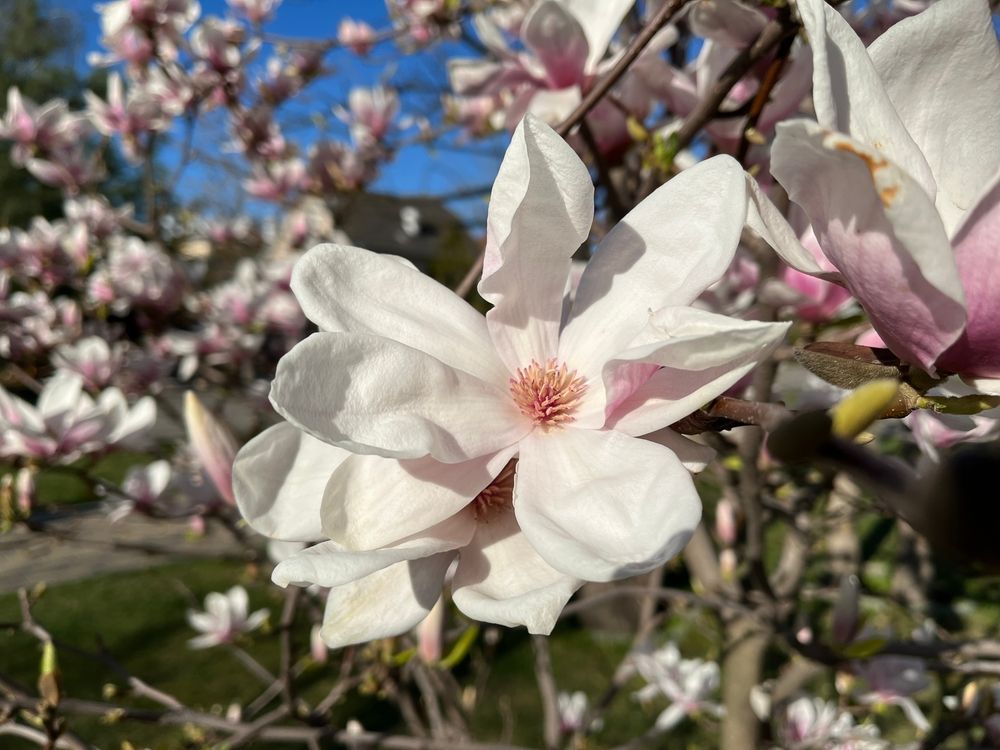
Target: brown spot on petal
886	194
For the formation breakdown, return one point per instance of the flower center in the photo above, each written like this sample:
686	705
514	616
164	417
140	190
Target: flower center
548	394
497	496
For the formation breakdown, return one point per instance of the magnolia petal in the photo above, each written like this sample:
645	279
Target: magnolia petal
692	454
60	396
849	95
352	290
977	253
550	106
558	40
373	395
213	445
941	70
472	76
329	564
701	355
371	501
384	604
600	20
600	505
881	230
540	213
727	22
502	579
666	251
279	479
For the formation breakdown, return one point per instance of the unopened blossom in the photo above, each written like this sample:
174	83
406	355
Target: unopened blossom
224	619
460	396
688	684
815	724
66	422
907	218
358	36
212	444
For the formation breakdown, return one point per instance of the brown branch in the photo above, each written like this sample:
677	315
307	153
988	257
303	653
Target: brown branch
635	48
548	691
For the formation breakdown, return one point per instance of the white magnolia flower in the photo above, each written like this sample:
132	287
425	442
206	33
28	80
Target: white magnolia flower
67	423
435	401
225	617
892	681
572	711
687	683
815	724
142	488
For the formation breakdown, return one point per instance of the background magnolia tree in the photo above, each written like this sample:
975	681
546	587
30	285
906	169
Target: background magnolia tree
775	396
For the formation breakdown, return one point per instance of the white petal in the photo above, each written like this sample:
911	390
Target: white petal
601	505
701	355
384	604
502	579
941	69
765	219
372	501
600	20
849	95
279	479
670	717
691	453
540	213
329	564
62	394
666	251
239	603
347	289
881	231
374	395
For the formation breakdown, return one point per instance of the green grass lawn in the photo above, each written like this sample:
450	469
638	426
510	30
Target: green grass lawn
140	618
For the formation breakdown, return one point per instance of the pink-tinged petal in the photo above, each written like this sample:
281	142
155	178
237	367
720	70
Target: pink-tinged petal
502	579
881	230
977	253
472	77
764	218
941	69
666	251
329	564
61	396
693	455
850	97
384	604
701	355
373	395
600	20
357	291
540	213
372	502
726	21
600	505
279	479
552	106
558	40
213	444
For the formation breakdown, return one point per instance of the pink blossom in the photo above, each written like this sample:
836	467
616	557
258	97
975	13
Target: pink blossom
356	35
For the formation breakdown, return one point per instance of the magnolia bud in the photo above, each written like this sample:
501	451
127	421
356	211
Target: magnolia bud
24	489
726	526
845	612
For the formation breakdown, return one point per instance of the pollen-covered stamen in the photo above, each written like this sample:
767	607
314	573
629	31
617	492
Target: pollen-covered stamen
498	495
548	394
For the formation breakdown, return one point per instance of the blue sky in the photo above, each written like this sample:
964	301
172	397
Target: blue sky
416	170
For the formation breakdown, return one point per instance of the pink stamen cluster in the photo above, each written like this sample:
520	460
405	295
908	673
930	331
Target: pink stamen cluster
498	495
547	395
